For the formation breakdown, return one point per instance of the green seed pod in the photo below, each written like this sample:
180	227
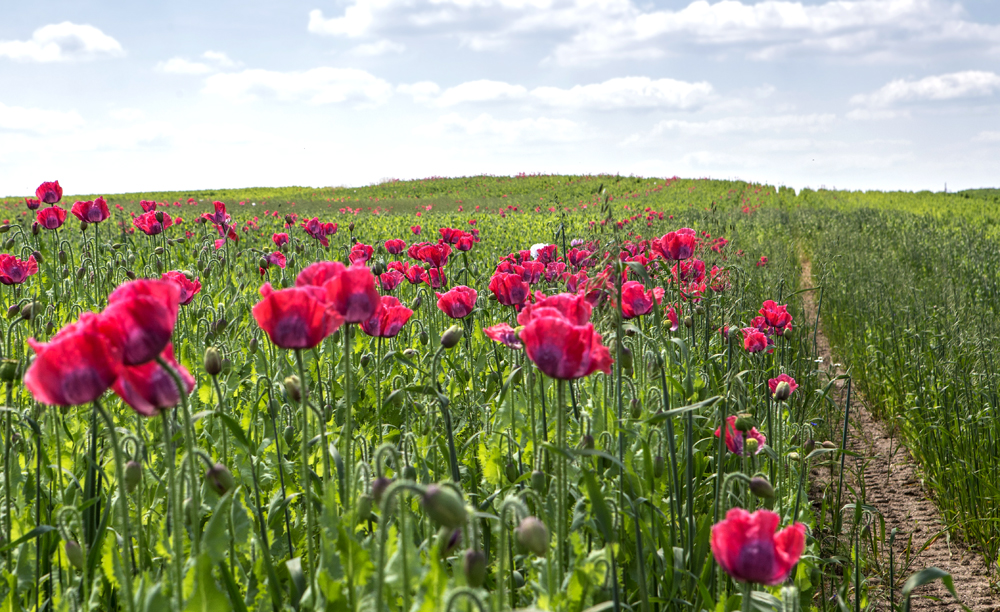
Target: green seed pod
9	244
744	423
760	487
533	535
444	507
688	321
213	361
410	473
452	336
782	392
538	481
424	339
74	553
635	408
289	435
658	465
474	568
364	507
751	445
8	370
511	471
133	475
415	305
220	479
252	347
516	575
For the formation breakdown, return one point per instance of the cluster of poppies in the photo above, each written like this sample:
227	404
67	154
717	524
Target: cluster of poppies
117	348
774	320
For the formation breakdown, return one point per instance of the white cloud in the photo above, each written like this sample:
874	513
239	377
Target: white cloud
422	91
967	84
627	92
37	120
482	90
62	42
220	59
987	137
511	131
745	124
381	47
876	114
179	65
127	114
323	85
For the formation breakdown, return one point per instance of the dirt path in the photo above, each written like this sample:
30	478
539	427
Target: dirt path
894	486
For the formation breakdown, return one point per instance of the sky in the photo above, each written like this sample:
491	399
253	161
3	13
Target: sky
109	96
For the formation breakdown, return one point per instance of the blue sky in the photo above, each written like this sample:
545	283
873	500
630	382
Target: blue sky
112	96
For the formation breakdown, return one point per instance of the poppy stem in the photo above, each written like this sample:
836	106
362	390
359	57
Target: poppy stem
306	481
175	515
747	590
122	506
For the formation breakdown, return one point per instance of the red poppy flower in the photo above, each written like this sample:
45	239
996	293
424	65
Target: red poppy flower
414	274
148	388
434	277
151	206
753	340
150	225
280	238
772	383
316	274
434	254
504	334
13	271
32	203
563	350
510	289
692	271
51	217
50	193
676	246
735	439
352	294
749	550
672	316
189	288
142	314
276	258
554	271
636	301
465	243
573	307
533	271
76	366
297	317
395	246
361	253
578	258
389	280
389	318
314	228
544	253
91	211
415	229
451	235
776	316
576	282
458	302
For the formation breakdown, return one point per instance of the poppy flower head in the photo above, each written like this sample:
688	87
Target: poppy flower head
13	271
49	192
316	274
389	318
395	246
352	294
91	211
458	302
32	203
510	289
389	280
434	278
189	288
573	307
677	245
636	301
753	340
748	548
140	317
297	317
735	438
773	383
76	366
150	223
148	388
504	334
361	253
51	218
280	238
565	351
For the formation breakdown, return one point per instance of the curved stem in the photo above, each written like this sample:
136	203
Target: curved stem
306	482
122	504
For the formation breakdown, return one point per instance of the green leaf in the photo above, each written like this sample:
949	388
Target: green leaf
206	596
216	538
928	576
599	507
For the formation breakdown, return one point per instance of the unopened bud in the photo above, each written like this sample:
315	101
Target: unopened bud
760	487
409	473
13	311
793	456
220	479
30	310
213	361
828	444
538	481
474	567
293	388
424	339
587	441
74	553
62	256
688	321
379	485
782	391
364	507
38	256
452	336
8	370
658	465
366	359
159	216
809	446
133	475
744	423
444	507
511	471
532	535
252	347
417	301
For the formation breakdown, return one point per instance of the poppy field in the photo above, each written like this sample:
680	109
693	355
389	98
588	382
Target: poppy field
489	393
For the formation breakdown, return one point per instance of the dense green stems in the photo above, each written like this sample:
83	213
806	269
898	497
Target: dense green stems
122	504
306	482
561	477
175	522
347	433
6	471
189	440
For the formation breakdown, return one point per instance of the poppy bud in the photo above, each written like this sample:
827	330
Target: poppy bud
65	272
133	475
423	338
809	446
159	216
262	263
409	472
293	388
793	456
828	444
511	471
38	256
364	507
626	358
289	435
411	353
699	310
8	370
350	226
50	327
760	487
213	361
74	553
116	246
474	567
62	256
9	244
379	485
782	391
252	347
417	301
158	250
35	229
532	535
636	406
30	310
4	228
751	445
518	579
658	465
538	481
452	336
80	272
13	311
744	423
220	479
688	321
130	274
366	359
444	507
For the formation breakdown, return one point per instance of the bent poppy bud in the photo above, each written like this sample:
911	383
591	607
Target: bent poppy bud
474	568
74	553
213	361
452	336
444	507
533	535
760	487
133	475
220	479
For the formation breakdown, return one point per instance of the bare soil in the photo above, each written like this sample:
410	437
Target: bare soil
893	483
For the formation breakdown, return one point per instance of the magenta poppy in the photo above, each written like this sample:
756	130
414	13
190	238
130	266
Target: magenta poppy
276	258
772	383
76	366
389	280
389	318
576	282
533	271
395	246
352	294
458	302
554	271
435	278
297	317
316	274
563	350
50	193
415	229
51	218
636	301
573	307
578	258
140	316
434	254
510	289
148	388
753	340
504	334
414	274
150	206
280	238
91	211
465	243
32	203
746	546
677	245
691	271
150	223
315	229
735	439
361	253
13	271
189	288
544	254
776	316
